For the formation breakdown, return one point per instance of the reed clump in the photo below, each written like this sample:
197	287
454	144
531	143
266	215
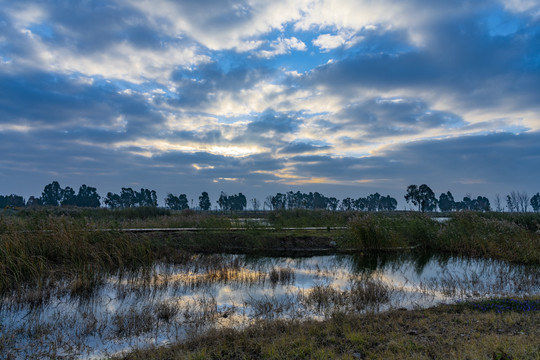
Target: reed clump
41	248
387	231
509	237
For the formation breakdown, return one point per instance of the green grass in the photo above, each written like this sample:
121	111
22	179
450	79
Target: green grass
444	332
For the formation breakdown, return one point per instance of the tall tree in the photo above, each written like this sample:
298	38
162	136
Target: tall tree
347	204
128	198
413	195
332	203
223	201
535	202
177	202
204	201
113	201
88	197
33	201
146	197
68	197
387	203
255	204
446	202
422	196
11	200
52	194
278	201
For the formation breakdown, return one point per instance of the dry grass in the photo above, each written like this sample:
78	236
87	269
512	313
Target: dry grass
444	332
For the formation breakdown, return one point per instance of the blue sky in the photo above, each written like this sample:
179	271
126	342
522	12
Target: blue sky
338	96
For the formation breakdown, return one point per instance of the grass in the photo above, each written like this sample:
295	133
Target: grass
463	331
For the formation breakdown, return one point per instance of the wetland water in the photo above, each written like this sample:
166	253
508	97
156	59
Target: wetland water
172	302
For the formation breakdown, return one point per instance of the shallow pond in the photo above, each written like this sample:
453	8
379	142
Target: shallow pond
172	302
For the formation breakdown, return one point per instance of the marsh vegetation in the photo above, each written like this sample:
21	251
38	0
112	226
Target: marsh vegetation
74	284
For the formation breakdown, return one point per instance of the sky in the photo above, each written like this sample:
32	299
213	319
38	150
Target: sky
344	97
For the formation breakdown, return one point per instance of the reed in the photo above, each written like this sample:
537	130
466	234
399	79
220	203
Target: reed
509	237
56	247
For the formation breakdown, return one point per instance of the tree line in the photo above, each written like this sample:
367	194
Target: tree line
313	201
421	196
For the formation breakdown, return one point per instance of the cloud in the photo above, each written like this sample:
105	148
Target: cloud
270	123
201	86
302	147
282	46
383	117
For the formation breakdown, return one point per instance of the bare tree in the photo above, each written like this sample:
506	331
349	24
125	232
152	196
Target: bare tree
255	203
523	198
517	201
498	204
268	203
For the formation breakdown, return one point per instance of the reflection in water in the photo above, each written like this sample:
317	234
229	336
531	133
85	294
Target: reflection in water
171	302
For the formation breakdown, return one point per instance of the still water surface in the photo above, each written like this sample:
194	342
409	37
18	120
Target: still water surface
172	302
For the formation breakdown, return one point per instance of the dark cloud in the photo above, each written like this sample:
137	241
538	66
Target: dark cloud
271	121
198	87
460	57
396	116
302	147
482	164
42	100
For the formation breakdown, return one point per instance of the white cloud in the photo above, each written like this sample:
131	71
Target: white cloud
121	61
327	42
219	25
528	6
283	46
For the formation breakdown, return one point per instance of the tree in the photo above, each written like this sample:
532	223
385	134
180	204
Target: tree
237	202
11	200
172	202
177	202
113	201
498	203
255	204
387	203
319	201
446	202
278	201
146	197
128	198
347	204
517	201
68	197
332	203
535	202
33	201
523	198
413	195
481	203
204	201
52	194
87	197
360	204
421	196
223	201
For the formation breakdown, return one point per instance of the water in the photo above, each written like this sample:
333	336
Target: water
172	302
